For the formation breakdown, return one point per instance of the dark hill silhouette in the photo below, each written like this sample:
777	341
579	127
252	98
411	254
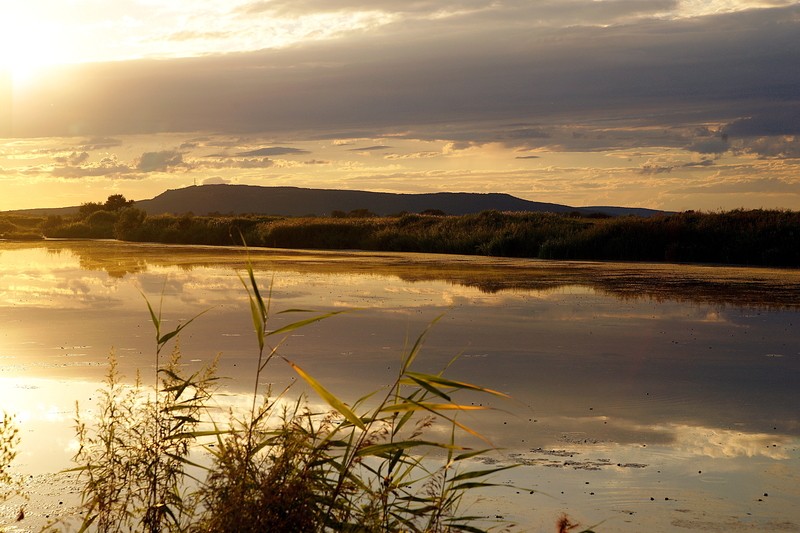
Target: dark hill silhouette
294	201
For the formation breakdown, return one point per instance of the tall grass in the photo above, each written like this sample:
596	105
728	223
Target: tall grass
161	459
9	442
747	237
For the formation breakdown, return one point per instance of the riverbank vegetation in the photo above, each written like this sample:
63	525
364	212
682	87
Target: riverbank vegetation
744	237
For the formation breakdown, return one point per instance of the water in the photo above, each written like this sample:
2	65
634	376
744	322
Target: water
646	397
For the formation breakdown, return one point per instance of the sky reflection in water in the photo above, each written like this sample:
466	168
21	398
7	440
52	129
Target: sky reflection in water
630	382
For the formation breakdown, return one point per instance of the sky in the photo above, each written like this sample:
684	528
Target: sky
664	104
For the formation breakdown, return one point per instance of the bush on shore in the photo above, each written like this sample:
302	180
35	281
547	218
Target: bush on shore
745	237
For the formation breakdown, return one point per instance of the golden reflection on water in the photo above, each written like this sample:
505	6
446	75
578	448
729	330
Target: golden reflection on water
631	378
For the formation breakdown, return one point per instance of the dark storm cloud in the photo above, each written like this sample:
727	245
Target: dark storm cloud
778	147
487	66
713	145
784	121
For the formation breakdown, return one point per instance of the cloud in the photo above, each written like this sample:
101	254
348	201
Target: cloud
236	162
99	143
273	151
73	159
159	161
715	145
701	163
527	157
783	147
198	35
414	155
651	168
756	186
370	148
546	12
464	69
782	121
108	166
216	180
527	133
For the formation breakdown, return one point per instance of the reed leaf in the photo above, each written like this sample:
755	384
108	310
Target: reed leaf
467	528
332	400
380	449
433	407
430	388
430	378
481	473
472	453
412	354
303	323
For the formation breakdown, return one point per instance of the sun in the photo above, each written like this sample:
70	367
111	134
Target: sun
27	46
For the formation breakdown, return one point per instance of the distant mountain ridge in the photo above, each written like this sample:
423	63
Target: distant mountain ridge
295	201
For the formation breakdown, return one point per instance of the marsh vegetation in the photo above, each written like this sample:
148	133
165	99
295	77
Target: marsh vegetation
752	237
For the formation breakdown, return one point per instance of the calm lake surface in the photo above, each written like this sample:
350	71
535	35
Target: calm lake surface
647	397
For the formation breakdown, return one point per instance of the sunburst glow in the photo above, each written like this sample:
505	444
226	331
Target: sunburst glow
27	45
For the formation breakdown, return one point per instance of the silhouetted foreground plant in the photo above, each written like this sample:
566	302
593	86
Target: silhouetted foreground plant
9	440
281	466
